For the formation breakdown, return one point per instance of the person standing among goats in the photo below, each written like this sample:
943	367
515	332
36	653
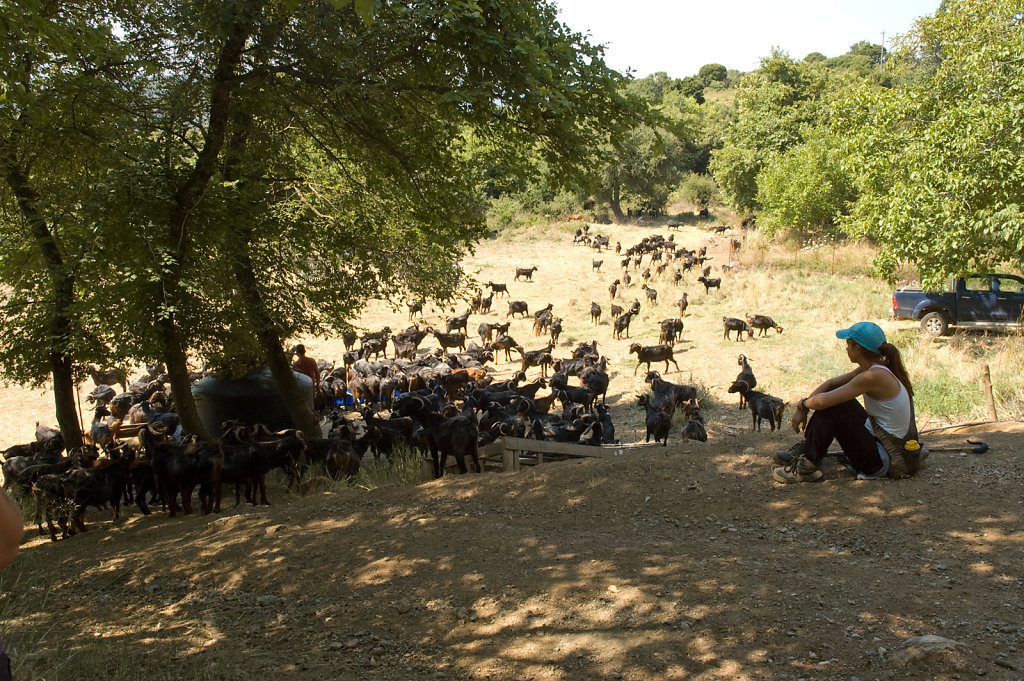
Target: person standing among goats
306	365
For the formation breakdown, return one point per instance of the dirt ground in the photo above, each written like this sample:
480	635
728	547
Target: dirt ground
677	562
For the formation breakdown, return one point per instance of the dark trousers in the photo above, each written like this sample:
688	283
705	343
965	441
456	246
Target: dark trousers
843	423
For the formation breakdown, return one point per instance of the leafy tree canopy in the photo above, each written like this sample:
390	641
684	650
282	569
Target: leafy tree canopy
773	105
710	73
938	160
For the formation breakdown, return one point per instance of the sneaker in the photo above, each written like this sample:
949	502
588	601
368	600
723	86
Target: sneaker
785	457
800	470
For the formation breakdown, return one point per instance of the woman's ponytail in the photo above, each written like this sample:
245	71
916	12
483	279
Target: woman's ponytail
894	360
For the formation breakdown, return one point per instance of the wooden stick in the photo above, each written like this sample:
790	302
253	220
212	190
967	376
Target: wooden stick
986	378
965	425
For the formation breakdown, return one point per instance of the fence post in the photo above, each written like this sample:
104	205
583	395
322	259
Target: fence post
990	398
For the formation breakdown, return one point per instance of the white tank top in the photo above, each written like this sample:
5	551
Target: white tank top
893	414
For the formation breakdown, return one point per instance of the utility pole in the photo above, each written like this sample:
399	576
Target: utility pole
881	56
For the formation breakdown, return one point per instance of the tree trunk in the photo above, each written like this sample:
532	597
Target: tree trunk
176	359
64	400
178	238
299	408
615	205
63	283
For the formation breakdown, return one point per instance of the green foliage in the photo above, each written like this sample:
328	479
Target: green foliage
710	73
815	58
875	53
937	159
692	87
170	177
642	169
804	190
774	107
699	190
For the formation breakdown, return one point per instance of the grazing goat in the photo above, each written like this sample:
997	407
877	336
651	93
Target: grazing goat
616	311
485	304
517	307
595	313
622	324
710	283
658	422
737	325
677	276
762	324
626	279
683	304
652	353
506	343
613	288
596	266
525	272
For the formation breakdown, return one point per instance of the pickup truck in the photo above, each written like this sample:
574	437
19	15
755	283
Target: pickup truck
989	301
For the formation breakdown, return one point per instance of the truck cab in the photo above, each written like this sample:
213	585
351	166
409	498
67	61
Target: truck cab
977	300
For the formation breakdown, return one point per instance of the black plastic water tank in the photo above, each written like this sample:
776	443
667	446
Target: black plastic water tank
251	399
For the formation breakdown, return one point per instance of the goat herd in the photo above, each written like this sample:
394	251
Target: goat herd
442	403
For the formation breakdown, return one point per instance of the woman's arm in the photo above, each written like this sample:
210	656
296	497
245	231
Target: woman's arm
837	385
11	529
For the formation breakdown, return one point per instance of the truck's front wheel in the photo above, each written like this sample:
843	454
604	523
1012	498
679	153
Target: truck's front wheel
935	324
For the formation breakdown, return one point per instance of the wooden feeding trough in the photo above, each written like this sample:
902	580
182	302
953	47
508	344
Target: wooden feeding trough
512	453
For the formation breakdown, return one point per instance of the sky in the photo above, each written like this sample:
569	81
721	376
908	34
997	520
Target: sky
680	36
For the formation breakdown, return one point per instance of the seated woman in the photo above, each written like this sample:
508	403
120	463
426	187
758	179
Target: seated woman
872	436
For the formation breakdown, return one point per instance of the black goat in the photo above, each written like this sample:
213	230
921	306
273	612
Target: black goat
456	323
670	330
744	379
498	288
525	272
738	325
762	406
517	307
449	340
652	353
595	313
658	422
762	324
622	324
710	283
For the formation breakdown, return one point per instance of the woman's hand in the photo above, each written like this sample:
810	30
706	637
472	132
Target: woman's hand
799	420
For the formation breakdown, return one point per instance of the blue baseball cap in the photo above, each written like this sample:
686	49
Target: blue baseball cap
868	335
